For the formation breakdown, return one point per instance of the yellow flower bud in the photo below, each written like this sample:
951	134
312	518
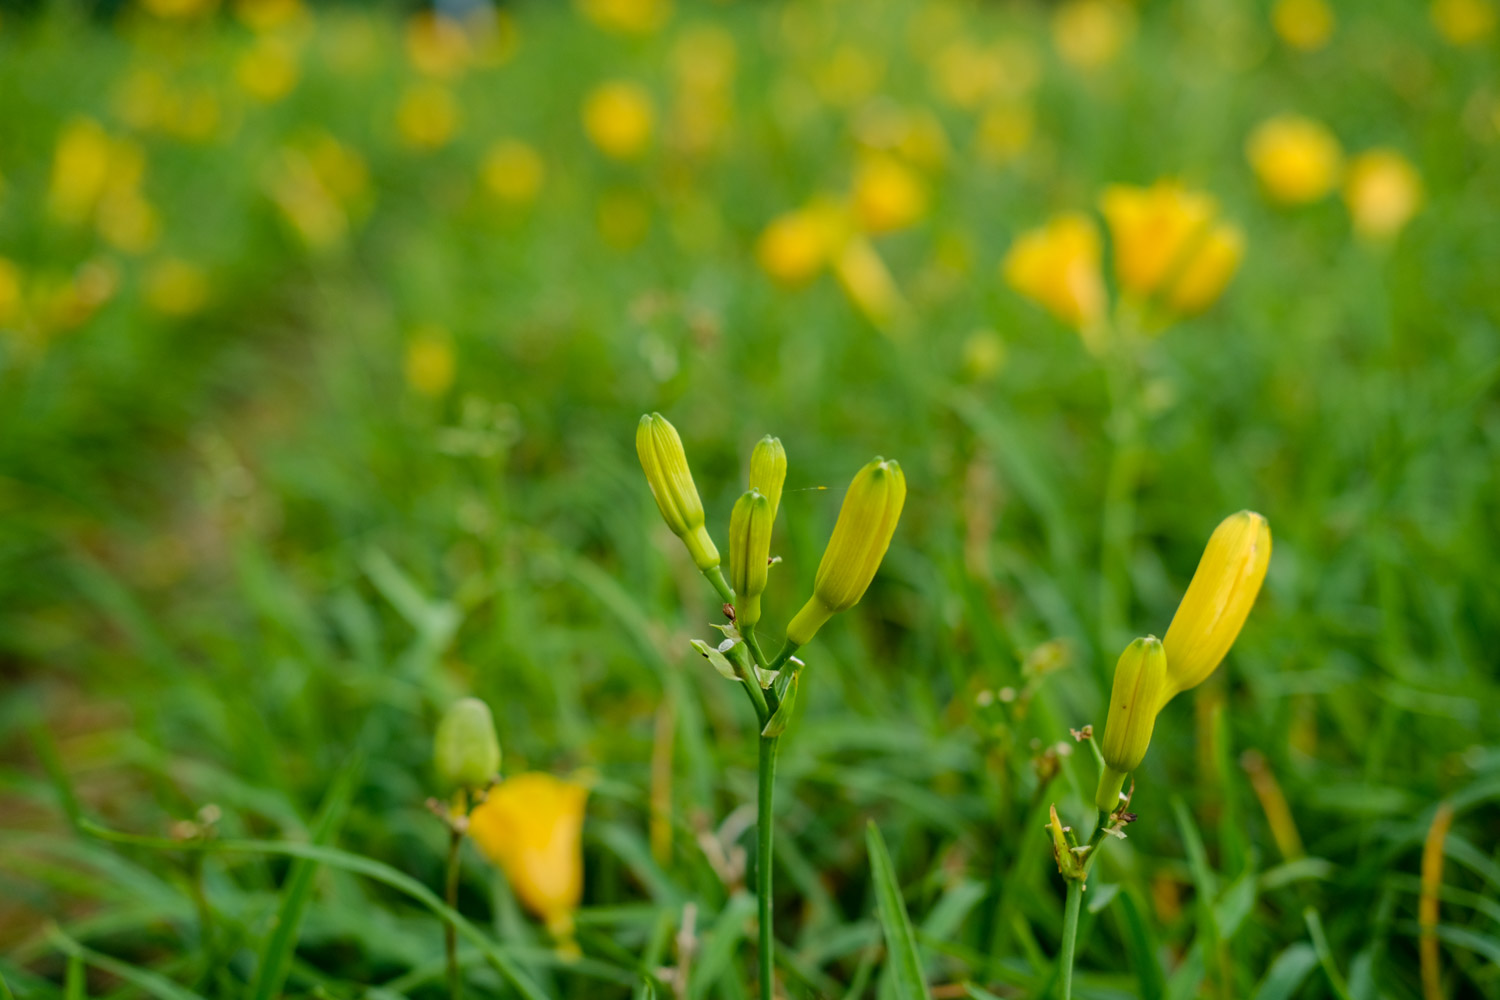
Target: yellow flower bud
532	827
749	554
1297	159
860	538
768	470
1217	601
466	751
1140	681
671	482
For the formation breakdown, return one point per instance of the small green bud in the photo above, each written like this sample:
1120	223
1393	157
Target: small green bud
671	482
861	536
1140	682
466	750
749	554
768	470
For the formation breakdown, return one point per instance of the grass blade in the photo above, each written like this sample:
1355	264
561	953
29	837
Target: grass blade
148	982
900	940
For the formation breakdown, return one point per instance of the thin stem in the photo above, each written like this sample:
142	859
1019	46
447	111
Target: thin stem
450	896
787	649
764	834
1070	935
715	576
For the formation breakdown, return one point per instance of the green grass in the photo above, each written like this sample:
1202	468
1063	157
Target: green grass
243	564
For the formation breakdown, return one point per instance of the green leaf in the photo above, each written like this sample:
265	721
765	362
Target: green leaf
776	725
716	659
1287	973
900	940
147	981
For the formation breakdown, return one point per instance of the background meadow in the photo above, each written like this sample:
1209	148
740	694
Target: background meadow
323	336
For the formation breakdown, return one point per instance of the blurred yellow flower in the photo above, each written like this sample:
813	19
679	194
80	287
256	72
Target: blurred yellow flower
1154	231
427	116
10	293
1464	22
532	827
268	69
269	15
176	287
627	17
80	170
1383	192
619	118
437	45
1058	266
1207	271
317	185
513	171
1303	24
797	245
1004	133
888	195
1089	34
339	168
178	9
430	364
966	74
1297	159
867	281
703	63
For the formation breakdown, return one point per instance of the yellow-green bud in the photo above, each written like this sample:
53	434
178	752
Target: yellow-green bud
1218	600
671	482
466	750
1140	680
768	470
749	554
860	537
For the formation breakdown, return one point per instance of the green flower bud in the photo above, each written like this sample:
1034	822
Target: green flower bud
671	483
749	554
768	470
1140	683
466	750
860	538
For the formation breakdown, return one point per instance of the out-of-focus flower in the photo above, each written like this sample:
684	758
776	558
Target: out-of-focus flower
80	170
269	15
437	45
1005	132
1383	192
1464	22
513	171
176	287
618	118
177	10
1167	242
867	281
430	364
268	69
10	293
1089	34
797	245
1057	265
915	134
148	102
848	76
532	827
623	218
969	75
1296	159
888	195
338	167
1303	24
627	17
703	62
319	185
427	116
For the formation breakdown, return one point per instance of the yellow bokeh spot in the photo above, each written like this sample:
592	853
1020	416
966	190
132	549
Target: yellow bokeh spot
430	365
1383	191
1004	133
1303	24
888	195
176	287
174	10
618	118
10	292
1089	34
1058	266
627	17
268	69
1464	22
269	15
513	171
80	170
437	46
427	116
868	282
796	246
1296	159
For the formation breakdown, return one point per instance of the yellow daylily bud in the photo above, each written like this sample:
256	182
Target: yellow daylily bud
1383	192
465	748
1296	159
861	536
1140	681
1205	275
532	827
1057	266
1218	600
749	554
768	470
671	482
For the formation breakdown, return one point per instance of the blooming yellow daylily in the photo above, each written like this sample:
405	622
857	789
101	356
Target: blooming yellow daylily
619	118
1207	271
1296	159
532	827
1154	231
1383	191
1057	265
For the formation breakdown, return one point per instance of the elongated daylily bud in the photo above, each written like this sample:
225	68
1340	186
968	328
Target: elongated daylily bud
1140	681
1217	601
768	470
749	554
671	482
860	537
466	750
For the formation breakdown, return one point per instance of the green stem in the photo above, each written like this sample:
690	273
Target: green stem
764	834
715	576
450	896
1070	935
787	649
